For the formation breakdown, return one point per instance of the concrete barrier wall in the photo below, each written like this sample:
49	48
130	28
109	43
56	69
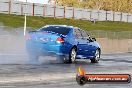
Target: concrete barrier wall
115	45
34	9
113	42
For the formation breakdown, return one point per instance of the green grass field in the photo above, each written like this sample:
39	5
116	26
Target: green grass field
37	22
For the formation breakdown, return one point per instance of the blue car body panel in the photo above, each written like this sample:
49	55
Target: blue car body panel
44	43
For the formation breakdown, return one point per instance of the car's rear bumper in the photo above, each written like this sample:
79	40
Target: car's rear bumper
44	49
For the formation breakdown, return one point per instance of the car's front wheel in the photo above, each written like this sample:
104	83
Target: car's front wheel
96	57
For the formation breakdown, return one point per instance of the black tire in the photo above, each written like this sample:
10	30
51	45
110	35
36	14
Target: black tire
72	55
97	57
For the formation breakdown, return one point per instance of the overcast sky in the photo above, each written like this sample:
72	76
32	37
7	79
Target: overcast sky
36	1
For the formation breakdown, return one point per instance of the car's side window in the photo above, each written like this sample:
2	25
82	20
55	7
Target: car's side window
84	34
77	33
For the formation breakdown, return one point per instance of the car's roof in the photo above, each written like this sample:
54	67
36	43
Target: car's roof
59	26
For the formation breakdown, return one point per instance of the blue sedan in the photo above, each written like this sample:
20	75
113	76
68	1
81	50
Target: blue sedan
68	42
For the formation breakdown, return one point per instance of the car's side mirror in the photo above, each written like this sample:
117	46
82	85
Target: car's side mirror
94	39
90	40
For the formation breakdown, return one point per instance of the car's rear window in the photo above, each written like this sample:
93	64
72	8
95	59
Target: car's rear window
57	29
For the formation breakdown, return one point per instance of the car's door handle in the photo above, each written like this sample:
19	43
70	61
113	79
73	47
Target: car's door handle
80	49
86	50
90	45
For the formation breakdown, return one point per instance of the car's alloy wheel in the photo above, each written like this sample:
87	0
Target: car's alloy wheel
97	57
72	57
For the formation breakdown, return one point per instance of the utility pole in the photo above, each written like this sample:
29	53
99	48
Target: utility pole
25	23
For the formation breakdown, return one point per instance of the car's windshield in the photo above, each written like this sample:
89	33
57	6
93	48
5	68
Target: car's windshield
56	29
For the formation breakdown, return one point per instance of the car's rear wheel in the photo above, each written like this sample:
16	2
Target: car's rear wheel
97	57
72	55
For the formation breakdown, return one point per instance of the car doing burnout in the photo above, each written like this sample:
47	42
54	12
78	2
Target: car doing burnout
68	42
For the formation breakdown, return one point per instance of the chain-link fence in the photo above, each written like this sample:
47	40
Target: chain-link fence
111	34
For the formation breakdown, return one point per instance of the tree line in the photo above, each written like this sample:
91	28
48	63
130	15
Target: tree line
108	5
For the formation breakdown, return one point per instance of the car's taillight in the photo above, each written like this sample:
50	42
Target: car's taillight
27	37
60	40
